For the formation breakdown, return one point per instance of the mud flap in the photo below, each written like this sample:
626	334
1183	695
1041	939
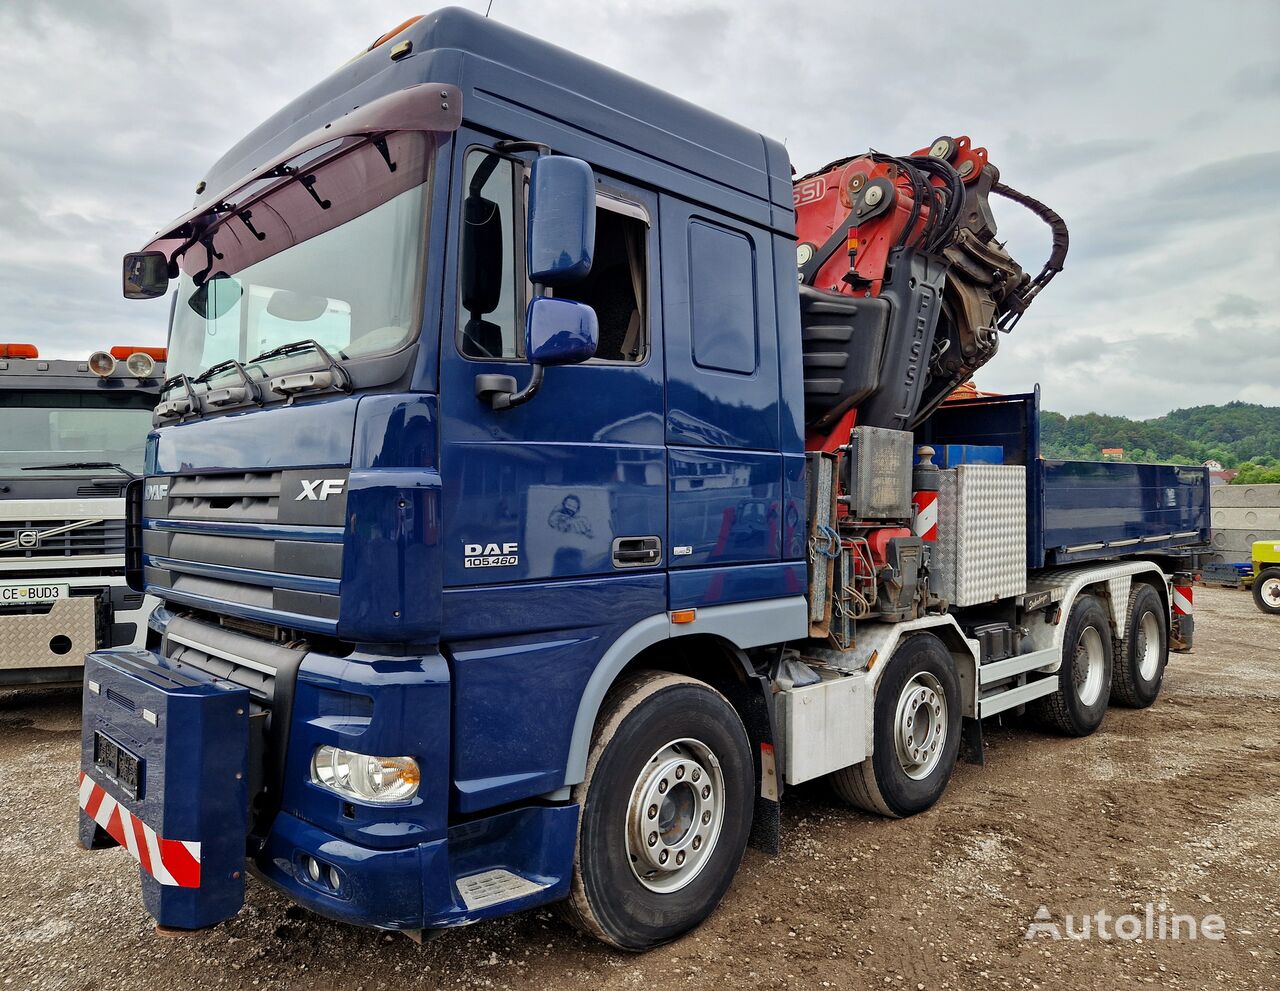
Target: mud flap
164	773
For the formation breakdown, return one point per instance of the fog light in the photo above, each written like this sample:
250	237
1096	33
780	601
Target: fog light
140	365
313	868
369	779
101	363
335	879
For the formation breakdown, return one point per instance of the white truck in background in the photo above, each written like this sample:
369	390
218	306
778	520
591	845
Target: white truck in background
72	435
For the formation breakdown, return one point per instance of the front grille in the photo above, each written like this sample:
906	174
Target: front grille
60	538
250	497
247	544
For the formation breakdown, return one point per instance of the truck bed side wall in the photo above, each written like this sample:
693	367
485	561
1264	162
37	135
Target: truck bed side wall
1081	510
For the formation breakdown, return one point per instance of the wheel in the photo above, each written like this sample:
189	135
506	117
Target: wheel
1266	591
666	811
916	734
1138	671
1080	702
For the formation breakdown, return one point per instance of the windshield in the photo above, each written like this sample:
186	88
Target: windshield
53	428
341	267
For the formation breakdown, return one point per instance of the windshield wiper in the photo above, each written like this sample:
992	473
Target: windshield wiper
82	465
231	394
170	408
335	376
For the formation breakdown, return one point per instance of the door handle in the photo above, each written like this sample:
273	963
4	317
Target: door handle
636	552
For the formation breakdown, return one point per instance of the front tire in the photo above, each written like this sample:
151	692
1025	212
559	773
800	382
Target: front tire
1139	666
666	806
1266	591
1080	702
916	734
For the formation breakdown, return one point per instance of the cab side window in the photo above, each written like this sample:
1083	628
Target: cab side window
491	282
616	287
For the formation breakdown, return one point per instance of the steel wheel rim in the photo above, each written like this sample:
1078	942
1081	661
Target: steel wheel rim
1088	666
675	815
1271	591
1148	646
920	725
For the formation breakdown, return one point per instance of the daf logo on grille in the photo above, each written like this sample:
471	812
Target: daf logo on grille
28	538
319	489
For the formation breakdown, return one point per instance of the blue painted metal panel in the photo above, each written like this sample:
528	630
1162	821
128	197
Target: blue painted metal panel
1087	502
953	455
790	357
192	777
307	434
706	407
739	583
415	887
726	506
521	656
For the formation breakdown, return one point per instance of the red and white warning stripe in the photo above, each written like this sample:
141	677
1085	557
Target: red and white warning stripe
1182	600
925	523
172	862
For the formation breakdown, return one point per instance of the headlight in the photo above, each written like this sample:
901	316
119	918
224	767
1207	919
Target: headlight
369	779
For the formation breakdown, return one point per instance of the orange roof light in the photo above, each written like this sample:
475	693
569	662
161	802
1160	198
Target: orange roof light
121	352
18	351
393	32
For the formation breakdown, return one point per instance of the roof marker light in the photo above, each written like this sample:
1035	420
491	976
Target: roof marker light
18	351
121	352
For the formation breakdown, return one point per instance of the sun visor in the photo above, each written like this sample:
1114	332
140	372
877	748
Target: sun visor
342	169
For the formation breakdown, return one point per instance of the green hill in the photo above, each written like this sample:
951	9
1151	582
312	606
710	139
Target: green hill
1239	435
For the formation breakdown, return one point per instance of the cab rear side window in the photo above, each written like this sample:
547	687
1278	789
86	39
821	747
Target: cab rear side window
722	299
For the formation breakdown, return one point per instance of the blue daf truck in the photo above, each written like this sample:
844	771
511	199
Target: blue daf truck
529	506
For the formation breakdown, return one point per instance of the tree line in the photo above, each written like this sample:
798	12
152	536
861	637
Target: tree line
1238	435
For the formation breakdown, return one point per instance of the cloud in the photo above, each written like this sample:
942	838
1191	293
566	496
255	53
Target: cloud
1168	178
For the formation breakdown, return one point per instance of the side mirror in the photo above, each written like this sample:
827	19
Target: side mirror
562	220
146	274
556	332
560	332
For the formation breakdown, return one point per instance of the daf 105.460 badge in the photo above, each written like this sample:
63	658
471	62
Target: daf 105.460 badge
490	555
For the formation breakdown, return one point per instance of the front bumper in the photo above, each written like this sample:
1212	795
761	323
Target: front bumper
491	867
400	867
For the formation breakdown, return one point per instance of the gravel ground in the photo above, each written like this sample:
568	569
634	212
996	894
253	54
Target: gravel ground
1178	806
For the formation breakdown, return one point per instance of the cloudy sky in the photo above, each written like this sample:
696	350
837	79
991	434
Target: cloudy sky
1153	128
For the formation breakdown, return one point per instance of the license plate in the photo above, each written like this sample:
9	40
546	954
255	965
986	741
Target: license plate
31	593
120	764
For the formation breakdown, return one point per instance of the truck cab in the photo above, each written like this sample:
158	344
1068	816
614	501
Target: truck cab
74	434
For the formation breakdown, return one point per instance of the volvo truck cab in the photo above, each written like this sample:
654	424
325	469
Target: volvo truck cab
72	435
